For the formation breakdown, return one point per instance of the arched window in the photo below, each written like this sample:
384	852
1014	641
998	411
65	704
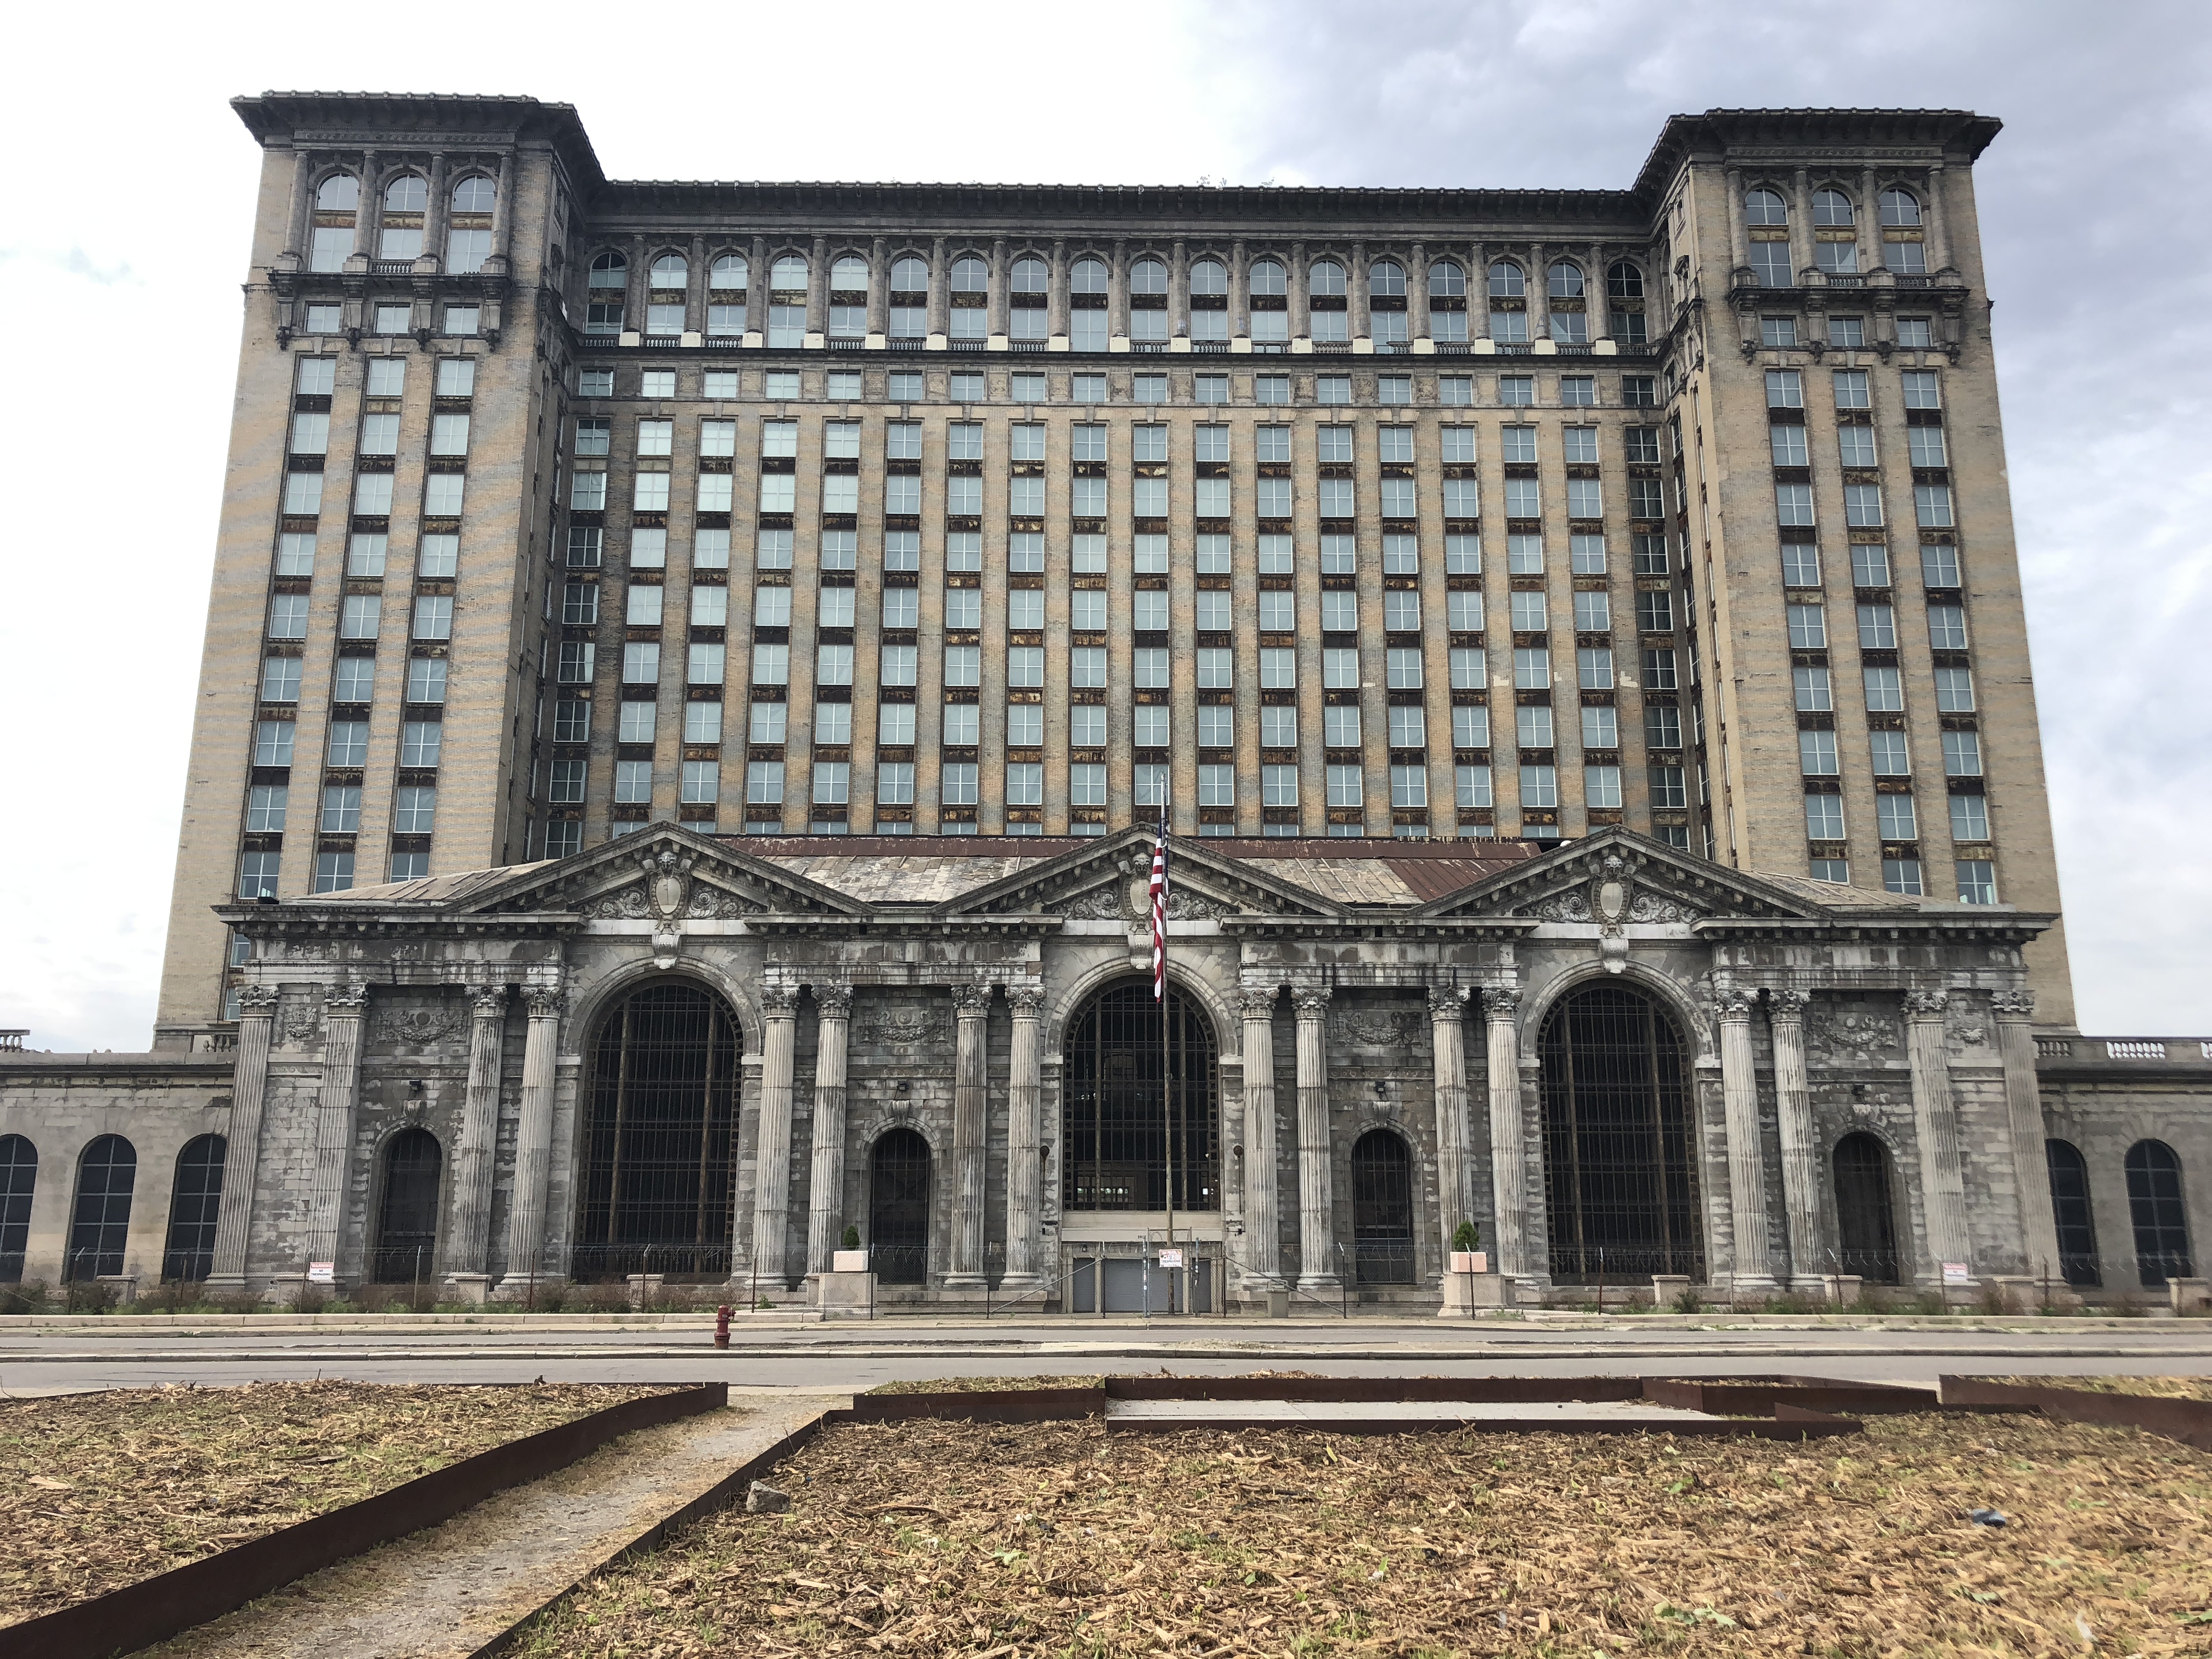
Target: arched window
407	1218
1387	278
1148	276
1765	207
1622	280
1832	211
1866	1225
1446	281
19	1180
610	270
1120	1130
2076	1227
100	1225
789	274
849	275
1031	275
475	194
1089	276
1209	277
406	194
1505	280
971	274
848	297
729	272
787	301
339	193
660	1121
1327	278
669	270
898	1209
2154	1204
909	274
1900	207
1563	281
1381	1209
400	236
195	1202
1620	1170
1268	277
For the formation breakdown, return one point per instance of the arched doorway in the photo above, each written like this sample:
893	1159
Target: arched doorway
1866	1223
19	1179
898	1209
2076	1227
195	1204
407	1218
2161	1225
106	1175
1621	1184
660	1137
1381	1209
1124	1139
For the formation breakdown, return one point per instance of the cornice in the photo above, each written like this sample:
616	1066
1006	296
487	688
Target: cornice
1938	132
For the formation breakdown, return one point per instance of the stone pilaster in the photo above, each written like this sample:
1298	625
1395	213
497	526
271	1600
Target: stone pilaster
1448	1035
1262	1227
825	1187
1747	1165
344	1008
1509	1163
469	1238
1316	1260
2039	1226
1800	1147
1025	1142
772	1147
534	1143
972	1010
1935	1130
249	1091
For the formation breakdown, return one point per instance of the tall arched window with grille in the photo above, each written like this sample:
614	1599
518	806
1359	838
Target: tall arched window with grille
2160	1220
1120	1125
195	1201
19	1181
100	1224
2077	1224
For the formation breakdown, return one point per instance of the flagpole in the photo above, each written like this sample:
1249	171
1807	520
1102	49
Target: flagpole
1167	1068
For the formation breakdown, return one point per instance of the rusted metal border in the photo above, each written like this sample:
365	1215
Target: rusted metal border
1762	1397
975	1405
154	1609
2189	1421
1375	1389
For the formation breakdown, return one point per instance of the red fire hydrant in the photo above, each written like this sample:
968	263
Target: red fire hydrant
722	1325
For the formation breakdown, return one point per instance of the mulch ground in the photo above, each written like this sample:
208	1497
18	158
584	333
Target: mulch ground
929	1538
102	1490
2158	1388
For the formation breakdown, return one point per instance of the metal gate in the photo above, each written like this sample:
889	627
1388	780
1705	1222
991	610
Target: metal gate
898	1209
1381	1210
407	1220
1866	1223
1118	1126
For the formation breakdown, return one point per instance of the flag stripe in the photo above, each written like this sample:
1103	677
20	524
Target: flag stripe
1159	894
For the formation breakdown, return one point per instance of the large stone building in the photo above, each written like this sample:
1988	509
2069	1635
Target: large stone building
1577	636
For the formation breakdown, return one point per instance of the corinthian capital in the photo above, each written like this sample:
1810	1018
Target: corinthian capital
1257	1004
1733	1004
1447	1002
1787	1007
1926	1004
1026	1000
1312	1003
345	1001
489	1003
1502	1002
779	1001
543	1001
257	1002
971	1001
2013	1004
833	1001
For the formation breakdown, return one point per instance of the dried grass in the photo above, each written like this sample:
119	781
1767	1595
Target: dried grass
107	1489
2157	1388
929	1538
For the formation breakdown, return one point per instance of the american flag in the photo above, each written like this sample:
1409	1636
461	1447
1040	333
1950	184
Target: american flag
1160	906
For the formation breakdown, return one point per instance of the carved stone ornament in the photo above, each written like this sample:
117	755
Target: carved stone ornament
712	903
1377	1028
972	1001
2013	1004
543	1001
1502	1003
1571	906
1312	1004
1926	1004
417	1027
1967	1034
665	873
1186	906
1657	907
1026	1000
1447	1003
1786	1007
258	1002
300	1021
779	1001
889	1030
833	1001
489	1004
1102	904
345	1002
1850	1038
1732	1005
625	904
1259	1004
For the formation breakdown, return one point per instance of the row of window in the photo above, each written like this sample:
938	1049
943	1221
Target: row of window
1835	234
334	237
458	320
1844	333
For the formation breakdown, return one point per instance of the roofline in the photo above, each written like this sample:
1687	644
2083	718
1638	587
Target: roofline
1726	129
322	119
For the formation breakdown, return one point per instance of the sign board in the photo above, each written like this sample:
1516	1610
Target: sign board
1171	1258
322	1272
1957	1273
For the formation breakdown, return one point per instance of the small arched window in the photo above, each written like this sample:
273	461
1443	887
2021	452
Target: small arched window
1148	276
610	270
1563	281
1089	276
729	272
1327	277
789	274
1209	277
1765	207
971	274
1622	280
909	274
339	193
406	194
1031	275
849	275
1388	278
1446	281
1266	276
475	194
1506	282
671	270
1900	207
1832	211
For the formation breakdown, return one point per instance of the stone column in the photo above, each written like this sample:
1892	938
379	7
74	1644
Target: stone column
972	1010
436	211
1448	1033
1801	1146
296	239
1747	1165
1417	294
1056	316
1317	1258
1739	243
249	1090
534	1143
502	214
469	1238
1597	295
1509	1163
344	1008
2031	1161
1024	1141
772	1146
368	212
1869	221
1263	1256
1801	241
940	295
825	1187
1540	295
1935	1130
1001	302
1478	293
818	286
879	287
1936	230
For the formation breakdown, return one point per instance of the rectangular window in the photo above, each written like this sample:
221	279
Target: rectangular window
1852	391
1540	785
1808	628
1954	690
434	617
1889	753
1816	754
576	662
1895	819
1877	628
1668	792
1785	389
764	783
1824	818
1814	695
1931	504
1655	612
1531	668
1341	725
1969	817
1409	786
1862	506
1471	785
1593	613
1923	389
413	811
341	814
1594	667
958	783
333	871
1978	881
1532	727
1793	504
1600	726
1601	786
1885	690
1346	787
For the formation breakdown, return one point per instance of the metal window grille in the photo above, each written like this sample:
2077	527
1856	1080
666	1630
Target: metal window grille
1117	1116
407	1217
1620	1186
189	1252
1381	1210
660	1143
19	1178
2070	1209
1866	1224
2154	1204
898	1209
106	1175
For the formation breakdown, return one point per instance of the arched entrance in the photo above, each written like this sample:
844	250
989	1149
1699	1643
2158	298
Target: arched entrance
660	1137
407	1216
195	1204
1381	1209
2161	1223
898	1209
1621	1184
2076	1225
1124	1138
1866	1224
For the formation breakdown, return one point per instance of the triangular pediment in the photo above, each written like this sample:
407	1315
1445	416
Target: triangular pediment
1106	881
1615	876
664	874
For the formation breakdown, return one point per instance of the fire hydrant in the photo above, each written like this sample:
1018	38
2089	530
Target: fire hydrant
722	1325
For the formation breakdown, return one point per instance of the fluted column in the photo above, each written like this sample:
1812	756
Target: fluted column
1739	242
825	1186
534	1142
2031	1161
1509	1163
470	1236
1747	1165
772	1148
1448	1035
1316	1261
1024	1139
249	1089
972	1010
1801	1146
1263	1255
345	1007
1938	231
1935	1130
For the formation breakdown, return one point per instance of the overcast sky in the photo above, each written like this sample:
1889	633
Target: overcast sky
129	202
